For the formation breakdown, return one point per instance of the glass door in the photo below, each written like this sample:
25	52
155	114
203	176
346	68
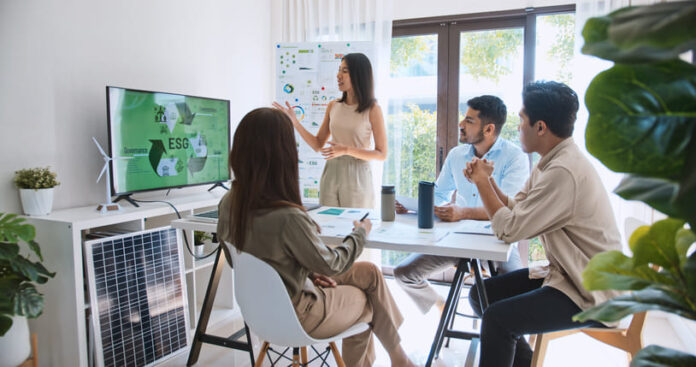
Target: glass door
413	117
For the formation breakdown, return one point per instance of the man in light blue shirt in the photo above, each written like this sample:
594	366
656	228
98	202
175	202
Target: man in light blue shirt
479	130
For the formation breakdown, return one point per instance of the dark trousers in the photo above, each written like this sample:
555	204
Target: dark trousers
518	306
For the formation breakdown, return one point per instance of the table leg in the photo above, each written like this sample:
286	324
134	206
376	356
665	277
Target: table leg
483	297
448	311
201	337
452	311
207	307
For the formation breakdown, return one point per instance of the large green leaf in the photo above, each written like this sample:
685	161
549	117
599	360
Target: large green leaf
8	288
614	270
657	245
5	324
656	356
28	301
687	190
12	229
28	269
638	34
35	247
656	192
689	270
642	118
44	274
685	238
638	301
31	271
8	251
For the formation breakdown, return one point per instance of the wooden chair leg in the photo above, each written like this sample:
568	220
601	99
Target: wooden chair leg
262	355
337	355
540	345
542	342
34	350
532	341
303	356
295	357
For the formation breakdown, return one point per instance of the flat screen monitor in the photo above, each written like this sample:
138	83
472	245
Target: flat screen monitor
164	140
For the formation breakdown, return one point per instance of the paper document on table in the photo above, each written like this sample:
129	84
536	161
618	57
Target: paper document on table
474	227
349	213
407	234
408	203
335	228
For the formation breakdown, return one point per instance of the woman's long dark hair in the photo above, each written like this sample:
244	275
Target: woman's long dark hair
361	79
264	162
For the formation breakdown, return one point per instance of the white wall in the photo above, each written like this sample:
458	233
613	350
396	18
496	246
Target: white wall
56	57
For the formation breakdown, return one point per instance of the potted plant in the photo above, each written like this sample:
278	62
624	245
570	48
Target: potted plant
36	189
199	238
19	298
643	122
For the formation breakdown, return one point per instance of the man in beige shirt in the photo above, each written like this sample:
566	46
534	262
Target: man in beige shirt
566	205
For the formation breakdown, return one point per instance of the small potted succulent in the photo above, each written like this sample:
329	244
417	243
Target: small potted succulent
19	298
199	238
36	189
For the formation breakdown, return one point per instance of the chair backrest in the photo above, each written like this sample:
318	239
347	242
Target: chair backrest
265	303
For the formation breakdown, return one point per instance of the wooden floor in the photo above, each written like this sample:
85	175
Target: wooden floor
417	332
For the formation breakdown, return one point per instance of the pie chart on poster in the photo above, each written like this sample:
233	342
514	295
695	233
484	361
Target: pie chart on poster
299	112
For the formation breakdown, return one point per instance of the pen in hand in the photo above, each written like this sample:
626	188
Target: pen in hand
367	225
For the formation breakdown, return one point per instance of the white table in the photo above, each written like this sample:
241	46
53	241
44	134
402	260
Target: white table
404	235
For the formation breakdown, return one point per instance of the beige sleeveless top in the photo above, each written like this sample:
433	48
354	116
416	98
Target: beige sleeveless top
350	128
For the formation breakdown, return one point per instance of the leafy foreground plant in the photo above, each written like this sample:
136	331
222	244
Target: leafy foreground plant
643	122
18	274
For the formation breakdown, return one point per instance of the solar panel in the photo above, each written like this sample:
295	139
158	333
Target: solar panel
137	294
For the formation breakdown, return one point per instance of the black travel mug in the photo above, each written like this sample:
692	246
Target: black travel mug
426	192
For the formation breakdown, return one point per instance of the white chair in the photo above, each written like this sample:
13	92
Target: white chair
268	310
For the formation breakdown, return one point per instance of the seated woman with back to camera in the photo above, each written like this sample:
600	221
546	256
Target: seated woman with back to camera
263	215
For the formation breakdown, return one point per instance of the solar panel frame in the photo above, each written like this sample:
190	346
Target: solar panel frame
155	255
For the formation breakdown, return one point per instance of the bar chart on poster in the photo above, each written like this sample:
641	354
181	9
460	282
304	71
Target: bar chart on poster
306	79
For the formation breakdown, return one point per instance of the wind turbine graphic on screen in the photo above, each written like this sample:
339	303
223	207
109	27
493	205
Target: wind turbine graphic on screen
108	205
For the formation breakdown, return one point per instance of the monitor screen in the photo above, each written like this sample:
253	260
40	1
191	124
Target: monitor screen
165	140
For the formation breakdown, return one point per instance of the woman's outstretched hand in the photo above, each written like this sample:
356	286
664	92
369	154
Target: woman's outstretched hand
288	111
334	150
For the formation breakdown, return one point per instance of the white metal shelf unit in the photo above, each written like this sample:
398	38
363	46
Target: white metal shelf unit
62	329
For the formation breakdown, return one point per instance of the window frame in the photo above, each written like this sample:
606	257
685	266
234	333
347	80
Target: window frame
448	30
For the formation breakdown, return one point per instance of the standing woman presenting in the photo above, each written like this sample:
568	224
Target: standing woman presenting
351	121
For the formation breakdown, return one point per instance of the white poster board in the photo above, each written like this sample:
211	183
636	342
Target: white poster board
306	78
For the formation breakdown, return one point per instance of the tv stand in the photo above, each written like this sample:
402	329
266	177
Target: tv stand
218	184
128	198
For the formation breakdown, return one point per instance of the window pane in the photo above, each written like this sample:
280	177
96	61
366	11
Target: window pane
411	118
411	115
555	42
492	62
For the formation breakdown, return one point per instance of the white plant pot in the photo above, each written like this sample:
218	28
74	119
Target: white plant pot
15	347
198	250
36	201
